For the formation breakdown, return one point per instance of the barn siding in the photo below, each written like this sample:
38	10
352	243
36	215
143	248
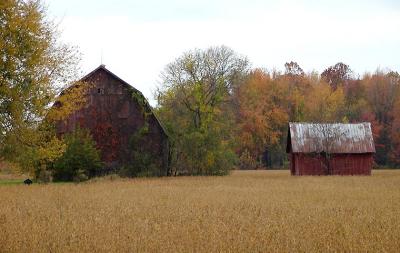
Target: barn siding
352	164
309	165
347	164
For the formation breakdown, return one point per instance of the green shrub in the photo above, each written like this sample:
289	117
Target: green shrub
81	159
225	159
206	153
144	162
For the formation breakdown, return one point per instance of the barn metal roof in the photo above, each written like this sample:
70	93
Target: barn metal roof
333	138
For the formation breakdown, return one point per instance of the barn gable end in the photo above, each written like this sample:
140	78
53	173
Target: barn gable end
114	112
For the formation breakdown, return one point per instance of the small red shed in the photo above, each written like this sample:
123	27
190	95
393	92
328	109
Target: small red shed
330	149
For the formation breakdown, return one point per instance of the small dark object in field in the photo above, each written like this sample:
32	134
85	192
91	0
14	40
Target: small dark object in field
28	181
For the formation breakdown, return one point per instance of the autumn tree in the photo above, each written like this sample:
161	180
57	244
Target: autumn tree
383	92
337	75
323	104
32	62
261	116
355	100
394	155
192	103
295	84
293	69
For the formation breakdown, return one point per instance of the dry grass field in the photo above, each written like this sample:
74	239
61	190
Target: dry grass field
248	211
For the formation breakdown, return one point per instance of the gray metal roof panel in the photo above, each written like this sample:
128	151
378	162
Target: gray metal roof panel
333	138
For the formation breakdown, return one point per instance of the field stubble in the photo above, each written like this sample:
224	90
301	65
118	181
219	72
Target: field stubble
248	211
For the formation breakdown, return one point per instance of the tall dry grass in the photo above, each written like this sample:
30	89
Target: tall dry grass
262	211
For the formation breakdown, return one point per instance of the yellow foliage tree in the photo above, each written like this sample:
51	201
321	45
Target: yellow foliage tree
324	104
33	62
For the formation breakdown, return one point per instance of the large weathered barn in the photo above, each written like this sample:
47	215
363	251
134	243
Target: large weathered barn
330	149
115	113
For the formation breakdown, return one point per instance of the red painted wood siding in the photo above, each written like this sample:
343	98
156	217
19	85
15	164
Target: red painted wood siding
340	164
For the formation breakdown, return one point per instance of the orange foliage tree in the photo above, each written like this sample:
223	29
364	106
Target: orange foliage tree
261	118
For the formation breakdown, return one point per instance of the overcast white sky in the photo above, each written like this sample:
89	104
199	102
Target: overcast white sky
139	37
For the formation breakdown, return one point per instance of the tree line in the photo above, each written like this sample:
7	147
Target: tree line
222	113
219	112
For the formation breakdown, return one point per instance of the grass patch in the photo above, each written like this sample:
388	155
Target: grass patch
11	181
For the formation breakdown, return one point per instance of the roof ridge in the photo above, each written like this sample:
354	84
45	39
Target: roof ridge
103	67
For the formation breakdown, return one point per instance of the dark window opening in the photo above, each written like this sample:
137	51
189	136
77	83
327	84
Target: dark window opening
100	91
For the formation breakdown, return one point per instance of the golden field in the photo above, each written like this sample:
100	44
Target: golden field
248	211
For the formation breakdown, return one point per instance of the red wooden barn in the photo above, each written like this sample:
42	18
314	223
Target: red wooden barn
114	113
330	149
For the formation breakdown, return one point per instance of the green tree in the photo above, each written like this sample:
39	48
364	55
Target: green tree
32	62
193	104
144	160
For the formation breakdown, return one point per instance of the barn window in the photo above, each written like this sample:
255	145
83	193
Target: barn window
100	91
